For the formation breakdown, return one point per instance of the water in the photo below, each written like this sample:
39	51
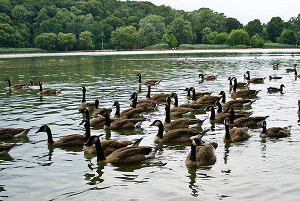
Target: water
252	170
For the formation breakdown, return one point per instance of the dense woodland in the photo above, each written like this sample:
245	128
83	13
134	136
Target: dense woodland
112	24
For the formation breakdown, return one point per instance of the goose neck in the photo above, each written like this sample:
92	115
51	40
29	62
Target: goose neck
193	153
49	134
100	154
160	132
227	134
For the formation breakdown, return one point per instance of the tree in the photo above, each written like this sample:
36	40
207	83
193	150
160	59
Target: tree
46	41
231	24
256	41
238	37
66	41
221	38
174	42
254	27
5	7
152	29
274	28
211	38
204	33
21	14
287	37
9	36
86	41
182	30
124	37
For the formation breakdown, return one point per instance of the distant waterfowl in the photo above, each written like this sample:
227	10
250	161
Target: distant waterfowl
127	113
235	102
157	97
31	83
296	74
66	141
290	70
238	84
84	105
208	77
7	133
274	77
274	89
276	132
125	155
298	107
98	110
201	154
234	134
178	111
180	122
243	92
147	82
4	148
48	92
275	66
256	80
178	135
15	86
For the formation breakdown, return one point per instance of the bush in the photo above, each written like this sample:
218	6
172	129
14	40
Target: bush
161	46
202	46
278	45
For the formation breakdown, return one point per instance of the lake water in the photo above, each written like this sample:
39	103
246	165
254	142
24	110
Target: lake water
255	169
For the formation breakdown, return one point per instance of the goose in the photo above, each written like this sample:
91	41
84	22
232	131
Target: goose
296	74
178	111
84	105
180	122
108	146
298	107
127	113
256	80
234	134
157	97
178	135
290	70
274	131
4	148
15	86
209	100
201	154
236	113
234	103
125	155
119	123
250	122
147	82
208	77
192	105
239	84
8	133
275	66
98	110
219	117
48	91
194	96
243	92
149	105
72	140
274	89
274	77
31	83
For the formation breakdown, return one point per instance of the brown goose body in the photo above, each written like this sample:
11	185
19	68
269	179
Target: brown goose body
196	94
238	84
178	111
4	148
147	82
235	102
148	105
256	80
192	105
274	77
276	132
157	97
127	113
15	86
208	77
97	110
290	70
48	92
275	90
235	134
251	122
7	133
208	100
243	92
84	104
216	118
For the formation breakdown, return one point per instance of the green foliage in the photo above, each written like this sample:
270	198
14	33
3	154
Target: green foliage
182	30
211	38
278	45
231	24
160	46
46	41
238	37
66	41
256	41
9	36
5	7
287	37
124	37
174	42
20	50
86	40
204	33
275	28
202	46
221	38
254	27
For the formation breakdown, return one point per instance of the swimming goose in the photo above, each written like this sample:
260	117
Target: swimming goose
209	100
256	80
98	110
149	105
31	83
4	148
239	84
274	77
290	70
234	134
66	141
250	122
119	123
217	118
84	105
15	86
178	111
296	75
208	77
274	89
157	97
243	92
194	96
193	105
125	155
48	92
7	133
274	131
128	113
180	122
178	135
201	154
234	103
275	66
151	82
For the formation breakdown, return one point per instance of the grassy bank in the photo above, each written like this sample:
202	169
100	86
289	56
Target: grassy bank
5	50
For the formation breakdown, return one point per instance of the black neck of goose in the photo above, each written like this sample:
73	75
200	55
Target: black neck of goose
227	134
83	95
9	82
168	117
230	81
194	95
100	154
87	130
296	73
232	116
107	120
96	104
188	93
212	113
87	114
219	107
41	87
234	85
175	100
264	128
248	76
140	78
223	98
299	106
49	133
168	101
149	91
160	132
193	153
117	113
133	102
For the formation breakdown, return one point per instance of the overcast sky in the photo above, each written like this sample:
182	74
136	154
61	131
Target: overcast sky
243	10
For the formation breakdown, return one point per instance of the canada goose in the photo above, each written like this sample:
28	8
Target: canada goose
149	105
193	105
234	134
201	154
250	122
31	83
4	148
243	92
209	100
274	77
274	89
234	113
180	122
208	77
275	66
239	84
178	111
108	146
98	110
48	91
119	123
234	103
127	113
256	80
66	141
194	96
125	155
151	82
178	135
84	105
216	118
7	133
290	70
157	97
296	75
15	86
274	131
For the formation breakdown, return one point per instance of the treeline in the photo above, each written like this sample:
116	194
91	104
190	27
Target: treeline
112	24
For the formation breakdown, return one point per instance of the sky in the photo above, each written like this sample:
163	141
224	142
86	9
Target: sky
243	10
